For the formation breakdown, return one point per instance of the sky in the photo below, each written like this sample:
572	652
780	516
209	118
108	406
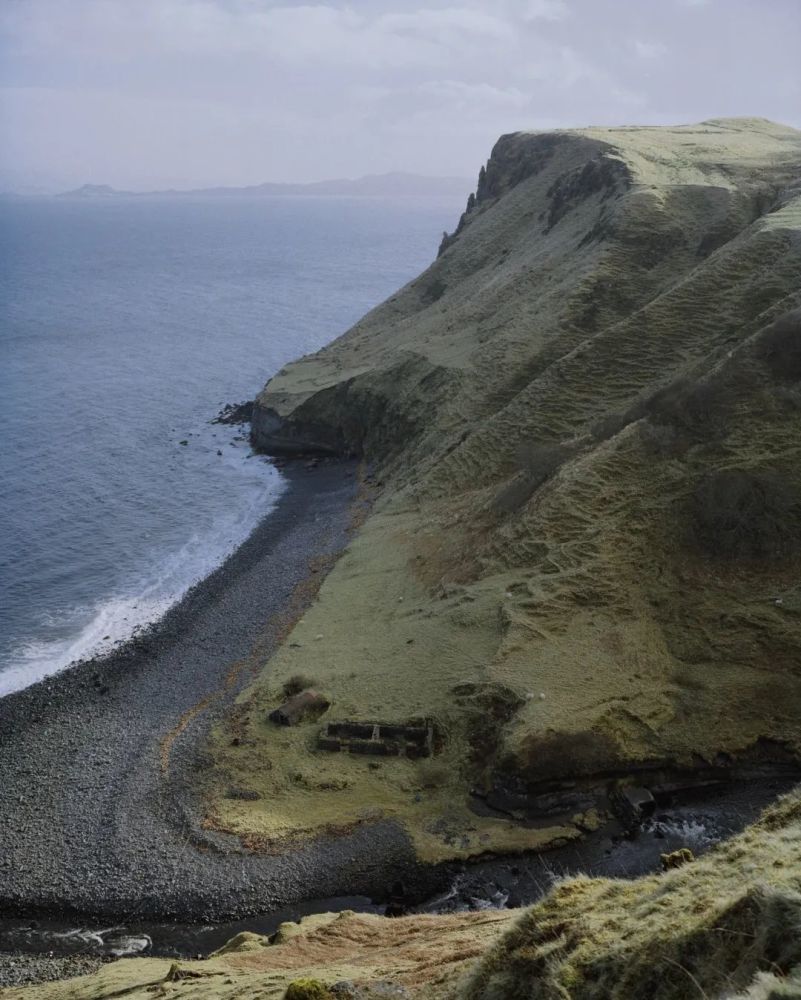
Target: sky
145	94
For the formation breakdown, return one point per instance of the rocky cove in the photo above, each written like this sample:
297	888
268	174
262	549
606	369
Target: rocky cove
569	547
188	891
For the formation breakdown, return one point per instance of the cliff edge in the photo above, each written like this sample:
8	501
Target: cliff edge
569	234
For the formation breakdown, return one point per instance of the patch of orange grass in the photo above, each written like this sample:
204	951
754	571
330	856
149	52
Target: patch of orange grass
192	713
411	950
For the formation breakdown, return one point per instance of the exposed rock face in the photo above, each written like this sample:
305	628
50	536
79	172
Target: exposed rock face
587	414
293	436
352	417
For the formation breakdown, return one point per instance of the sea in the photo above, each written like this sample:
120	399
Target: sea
126	323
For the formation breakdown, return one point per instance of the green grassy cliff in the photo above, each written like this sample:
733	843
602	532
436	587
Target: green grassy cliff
583	562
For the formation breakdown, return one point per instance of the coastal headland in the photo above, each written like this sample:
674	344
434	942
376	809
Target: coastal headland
574	594
583	564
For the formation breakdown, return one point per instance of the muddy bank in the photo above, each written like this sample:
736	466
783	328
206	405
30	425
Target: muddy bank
97	764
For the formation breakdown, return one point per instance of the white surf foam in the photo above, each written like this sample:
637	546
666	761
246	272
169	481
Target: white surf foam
693	832
84	632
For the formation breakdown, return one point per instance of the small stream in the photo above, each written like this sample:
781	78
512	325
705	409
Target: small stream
171	940
697	820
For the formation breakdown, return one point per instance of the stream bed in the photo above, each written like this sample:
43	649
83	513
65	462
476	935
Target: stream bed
696	820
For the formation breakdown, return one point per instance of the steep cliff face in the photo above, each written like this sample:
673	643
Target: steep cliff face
585	560
569	234
380	388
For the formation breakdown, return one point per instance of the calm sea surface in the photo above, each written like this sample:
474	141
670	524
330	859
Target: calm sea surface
124	326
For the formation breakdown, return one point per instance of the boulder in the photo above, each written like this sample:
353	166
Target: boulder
307	704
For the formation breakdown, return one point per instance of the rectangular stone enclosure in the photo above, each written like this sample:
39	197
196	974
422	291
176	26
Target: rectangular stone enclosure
381	738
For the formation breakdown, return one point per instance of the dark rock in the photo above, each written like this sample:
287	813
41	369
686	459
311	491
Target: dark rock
632	805
243	794
308	704
235	413
295	437
398	903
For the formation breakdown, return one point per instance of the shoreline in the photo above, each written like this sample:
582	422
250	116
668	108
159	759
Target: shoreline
97	831
96	824
98	625
96	828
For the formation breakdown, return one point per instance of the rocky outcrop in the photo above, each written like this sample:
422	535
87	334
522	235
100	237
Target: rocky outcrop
235	413
294	436
379	411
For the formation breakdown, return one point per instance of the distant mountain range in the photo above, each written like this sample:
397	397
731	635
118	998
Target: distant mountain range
374	185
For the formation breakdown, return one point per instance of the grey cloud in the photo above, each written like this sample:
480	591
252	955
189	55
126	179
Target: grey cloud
141	93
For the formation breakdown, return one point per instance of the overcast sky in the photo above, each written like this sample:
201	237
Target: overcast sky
155	93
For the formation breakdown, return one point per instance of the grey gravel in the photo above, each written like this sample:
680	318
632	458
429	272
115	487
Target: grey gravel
89	825
20	969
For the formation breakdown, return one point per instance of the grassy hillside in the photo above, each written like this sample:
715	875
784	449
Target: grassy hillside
581	429
727	923
423	958
584	420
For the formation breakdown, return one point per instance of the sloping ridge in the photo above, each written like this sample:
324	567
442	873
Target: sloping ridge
584	565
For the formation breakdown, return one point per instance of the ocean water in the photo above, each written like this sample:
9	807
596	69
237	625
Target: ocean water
125	324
